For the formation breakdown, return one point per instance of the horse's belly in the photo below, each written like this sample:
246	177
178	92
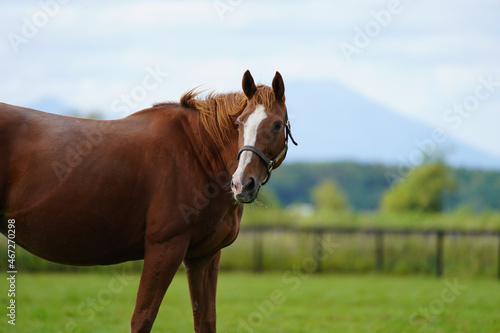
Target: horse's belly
83	239
94	216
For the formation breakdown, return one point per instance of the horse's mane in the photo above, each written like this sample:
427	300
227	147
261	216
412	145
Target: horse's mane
217	110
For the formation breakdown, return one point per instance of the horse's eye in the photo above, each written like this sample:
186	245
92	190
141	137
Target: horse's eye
238	124
277	126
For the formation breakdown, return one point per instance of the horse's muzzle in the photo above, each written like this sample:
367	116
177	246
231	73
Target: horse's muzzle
247	192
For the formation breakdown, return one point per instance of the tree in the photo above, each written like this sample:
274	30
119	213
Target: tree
328	196
422	190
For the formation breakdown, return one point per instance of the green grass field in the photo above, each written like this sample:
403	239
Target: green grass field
278	302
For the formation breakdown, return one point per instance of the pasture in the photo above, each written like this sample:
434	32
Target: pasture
289	301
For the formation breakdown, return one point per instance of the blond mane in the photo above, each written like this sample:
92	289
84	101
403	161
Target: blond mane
217	111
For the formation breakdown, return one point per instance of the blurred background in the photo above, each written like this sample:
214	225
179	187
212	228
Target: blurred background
395	105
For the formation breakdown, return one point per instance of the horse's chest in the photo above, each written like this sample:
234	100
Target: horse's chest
219	235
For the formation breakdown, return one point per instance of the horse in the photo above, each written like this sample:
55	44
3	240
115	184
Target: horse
166	184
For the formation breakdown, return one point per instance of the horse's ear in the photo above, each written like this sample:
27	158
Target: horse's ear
278	87
249	87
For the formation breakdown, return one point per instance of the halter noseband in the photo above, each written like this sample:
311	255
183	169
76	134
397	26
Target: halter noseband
271	164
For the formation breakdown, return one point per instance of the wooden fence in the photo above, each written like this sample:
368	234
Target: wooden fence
258	249
379	236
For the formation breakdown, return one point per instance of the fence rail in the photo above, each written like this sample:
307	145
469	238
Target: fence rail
379	236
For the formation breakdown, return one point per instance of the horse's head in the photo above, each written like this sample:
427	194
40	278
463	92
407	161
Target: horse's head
263	137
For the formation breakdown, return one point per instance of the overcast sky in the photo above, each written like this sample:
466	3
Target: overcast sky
433	61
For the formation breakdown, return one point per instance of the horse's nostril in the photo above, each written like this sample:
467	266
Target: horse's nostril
250	186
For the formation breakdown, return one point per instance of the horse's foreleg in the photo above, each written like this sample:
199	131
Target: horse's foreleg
161	262
202	277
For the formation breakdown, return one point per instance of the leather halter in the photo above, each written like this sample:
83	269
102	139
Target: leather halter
271	163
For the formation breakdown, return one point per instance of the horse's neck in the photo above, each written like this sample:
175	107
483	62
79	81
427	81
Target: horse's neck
222	159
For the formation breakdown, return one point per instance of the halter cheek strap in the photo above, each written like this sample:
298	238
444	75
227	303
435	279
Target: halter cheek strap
271	164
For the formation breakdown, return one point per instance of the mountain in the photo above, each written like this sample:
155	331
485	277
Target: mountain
333	122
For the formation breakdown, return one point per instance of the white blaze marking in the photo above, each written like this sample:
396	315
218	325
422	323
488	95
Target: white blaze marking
249	137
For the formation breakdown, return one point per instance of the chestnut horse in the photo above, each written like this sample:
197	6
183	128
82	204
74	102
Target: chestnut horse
166	184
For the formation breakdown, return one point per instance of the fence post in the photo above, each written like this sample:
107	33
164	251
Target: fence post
318	251
258	252
439	253
379	250
499	255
